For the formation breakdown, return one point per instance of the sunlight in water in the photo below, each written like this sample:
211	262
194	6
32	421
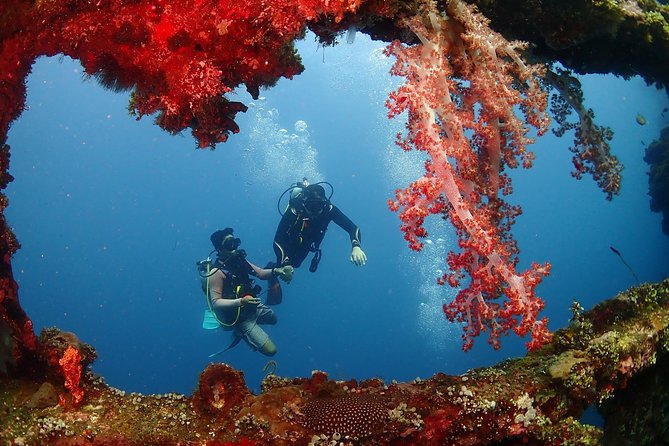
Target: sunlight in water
400	169
275	156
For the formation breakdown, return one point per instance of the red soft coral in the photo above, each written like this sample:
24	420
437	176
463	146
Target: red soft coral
70	365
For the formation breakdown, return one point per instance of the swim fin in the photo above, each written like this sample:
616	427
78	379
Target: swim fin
235	341
209	321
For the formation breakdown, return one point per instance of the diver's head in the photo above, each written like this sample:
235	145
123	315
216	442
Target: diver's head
224	241
315	201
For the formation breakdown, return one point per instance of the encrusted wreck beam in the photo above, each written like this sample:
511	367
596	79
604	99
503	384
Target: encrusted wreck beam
537	399
626	38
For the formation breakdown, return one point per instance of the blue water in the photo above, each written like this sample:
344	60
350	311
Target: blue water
112	215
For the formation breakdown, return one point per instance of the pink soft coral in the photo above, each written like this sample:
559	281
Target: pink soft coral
463	84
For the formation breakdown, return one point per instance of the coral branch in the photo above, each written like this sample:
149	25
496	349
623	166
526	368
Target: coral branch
592	153
464	79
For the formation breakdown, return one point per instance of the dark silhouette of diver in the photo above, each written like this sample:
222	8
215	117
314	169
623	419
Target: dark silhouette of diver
302	229
232	297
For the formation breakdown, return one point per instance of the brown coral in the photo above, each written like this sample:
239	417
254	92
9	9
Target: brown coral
54	343
221	388
353	415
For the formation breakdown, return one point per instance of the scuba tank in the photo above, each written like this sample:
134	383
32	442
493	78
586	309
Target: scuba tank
204	270
237	284
210	321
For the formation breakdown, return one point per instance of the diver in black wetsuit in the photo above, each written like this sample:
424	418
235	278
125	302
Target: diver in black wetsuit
302	229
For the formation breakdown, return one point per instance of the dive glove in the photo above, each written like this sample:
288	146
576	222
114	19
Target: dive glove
285	273
249	300
358	256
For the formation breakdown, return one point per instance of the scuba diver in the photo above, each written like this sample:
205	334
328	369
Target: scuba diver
302	229
232	298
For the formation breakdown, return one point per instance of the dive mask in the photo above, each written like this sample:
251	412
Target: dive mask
230	243
315	206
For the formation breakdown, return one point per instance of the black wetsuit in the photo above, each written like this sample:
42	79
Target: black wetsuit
297	234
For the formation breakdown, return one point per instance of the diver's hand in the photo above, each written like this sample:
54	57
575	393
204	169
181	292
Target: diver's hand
285	273
358	256
249	300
